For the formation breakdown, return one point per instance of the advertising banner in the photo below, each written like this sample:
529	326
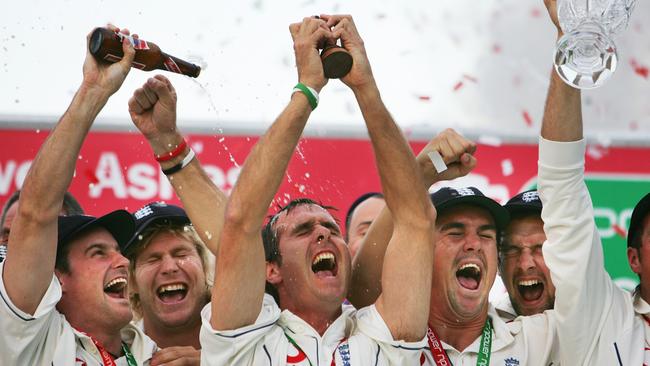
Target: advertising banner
117	170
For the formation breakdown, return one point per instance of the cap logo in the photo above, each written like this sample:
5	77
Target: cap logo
143	212
530	197
465	192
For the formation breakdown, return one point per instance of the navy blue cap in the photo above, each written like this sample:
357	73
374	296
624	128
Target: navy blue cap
447	197
157	212
119	223
524	202
640	211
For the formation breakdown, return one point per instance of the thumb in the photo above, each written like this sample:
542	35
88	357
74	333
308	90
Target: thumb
467	163
129	53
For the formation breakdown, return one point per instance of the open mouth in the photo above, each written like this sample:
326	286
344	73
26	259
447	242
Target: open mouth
116	288
324	264
172	293
469	276
531	290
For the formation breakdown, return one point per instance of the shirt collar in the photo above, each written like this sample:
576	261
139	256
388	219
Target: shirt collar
640	305
298	328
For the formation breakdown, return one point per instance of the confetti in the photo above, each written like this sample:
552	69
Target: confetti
620	231
458	85
91	176
424	98
490	140
506	167
639	69
470	78
527	118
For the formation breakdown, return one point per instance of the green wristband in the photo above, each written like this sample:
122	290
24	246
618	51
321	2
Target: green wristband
310	93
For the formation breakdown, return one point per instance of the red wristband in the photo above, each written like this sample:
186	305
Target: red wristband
172	154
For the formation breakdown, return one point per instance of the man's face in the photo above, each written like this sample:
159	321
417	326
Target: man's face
362	216
465	260
9	219
170	281
315	259
95	290
640	259
523	269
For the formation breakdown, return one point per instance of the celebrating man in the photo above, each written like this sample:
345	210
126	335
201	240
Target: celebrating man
64	301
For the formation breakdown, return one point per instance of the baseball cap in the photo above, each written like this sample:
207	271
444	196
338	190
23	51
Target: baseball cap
524	202
156	212
640	211
447	197
119	223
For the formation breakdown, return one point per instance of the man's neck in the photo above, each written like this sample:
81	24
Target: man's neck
111	341
164	336
456	332
320	319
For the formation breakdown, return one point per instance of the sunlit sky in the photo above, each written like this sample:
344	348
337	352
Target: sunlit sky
480	66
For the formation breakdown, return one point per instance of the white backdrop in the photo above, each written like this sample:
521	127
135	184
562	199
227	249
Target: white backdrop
480	66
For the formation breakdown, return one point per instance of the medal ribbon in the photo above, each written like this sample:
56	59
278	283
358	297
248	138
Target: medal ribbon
440	356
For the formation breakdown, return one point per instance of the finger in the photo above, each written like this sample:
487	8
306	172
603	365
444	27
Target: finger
142	99
468	163
170	354
151	96
161	90
169	84
129	54
125	31
134	106
293	29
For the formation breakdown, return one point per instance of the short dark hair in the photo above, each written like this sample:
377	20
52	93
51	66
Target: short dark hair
353	206
271	240
636	234
70	205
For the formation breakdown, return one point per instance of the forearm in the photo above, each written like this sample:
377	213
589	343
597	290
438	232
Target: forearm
265	166
29	270
203	201
398	171
563	112
409	255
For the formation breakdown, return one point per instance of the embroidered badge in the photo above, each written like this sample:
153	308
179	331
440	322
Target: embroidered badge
530	197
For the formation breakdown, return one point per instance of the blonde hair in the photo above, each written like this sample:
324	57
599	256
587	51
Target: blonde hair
182	231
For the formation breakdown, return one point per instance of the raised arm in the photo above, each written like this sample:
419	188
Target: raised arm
28	269
410	256
238	292
573	250
563	110
457	153
153	111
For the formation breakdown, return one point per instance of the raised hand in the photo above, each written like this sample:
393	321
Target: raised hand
107	77
343	27
153	110
457	152
307	36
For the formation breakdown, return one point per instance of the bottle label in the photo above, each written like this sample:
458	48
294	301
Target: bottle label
170	65
112	58
138	44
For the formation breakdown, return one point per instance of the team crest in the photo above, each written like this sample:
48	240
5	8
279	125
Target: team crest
511	362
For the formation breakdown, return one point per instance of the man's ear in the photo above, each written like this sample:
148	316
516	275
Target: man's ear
273	275
61	277
634	259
